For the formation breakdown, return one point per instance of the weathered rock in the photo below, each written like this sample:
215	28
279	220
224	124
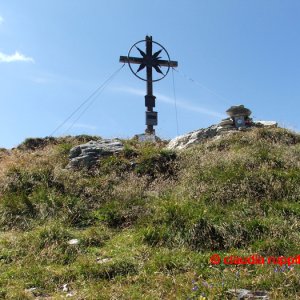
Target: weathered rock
214	131
242	294
227	121
192	138
147	137
265	123
238	110
73	242
65	287
226	128
87	155
103	260
230	125
31	289
71	294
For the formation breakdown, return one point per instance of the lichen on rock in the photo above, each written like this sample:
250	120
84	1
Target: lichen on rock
87	155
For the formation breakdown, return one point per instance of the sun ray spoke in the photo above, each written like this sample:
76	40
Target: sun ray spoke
141	52
157	69
141	67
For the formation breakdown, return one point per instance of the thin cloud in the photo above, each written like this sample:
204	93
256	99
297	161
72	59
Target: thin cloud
52	78
180	103
84	126
1	20
16	57
69	126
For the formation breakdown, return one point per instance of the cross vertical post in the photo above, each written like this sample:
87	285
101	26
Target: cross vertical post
149	98
149	67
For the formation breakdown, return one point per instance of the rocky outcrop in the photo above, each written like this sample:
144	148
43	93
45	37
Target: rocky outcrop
192	138
87	155
265	124
239	119
198	136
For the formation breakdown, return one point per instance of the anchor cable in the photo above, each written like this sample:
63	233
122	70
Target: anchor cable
202	85
91	103
94	93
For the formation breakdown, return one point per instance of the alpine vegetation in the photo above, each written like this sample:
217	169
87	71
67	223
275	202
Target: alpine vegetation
124	219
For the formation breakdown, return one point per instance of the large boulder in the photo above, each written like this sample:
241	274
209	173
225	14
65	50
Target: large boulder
87	155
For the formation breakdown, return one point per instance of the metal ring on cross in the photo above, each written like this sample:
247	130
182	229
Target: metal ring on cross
154	58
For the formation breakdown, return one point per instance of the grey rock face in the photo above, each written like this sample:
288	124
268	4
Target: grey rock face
232	124
198	136
192	138
227	122
266	123
242	294
86	155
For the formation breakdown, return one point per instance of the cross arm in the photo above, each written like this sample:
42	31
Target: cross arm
167	63
132	60
137	60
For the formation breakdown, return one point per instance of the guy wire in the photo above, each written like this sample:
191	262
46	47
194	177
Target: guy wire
87	100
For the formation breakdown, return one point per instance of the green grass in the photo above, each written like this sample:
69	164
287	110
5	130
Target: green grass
148	219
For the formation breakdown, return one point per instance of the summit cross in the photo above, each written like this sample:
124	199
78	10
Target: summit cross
149	60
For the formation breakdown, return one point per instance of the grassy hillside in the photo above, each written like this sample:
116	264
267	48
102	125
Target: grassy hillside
148	220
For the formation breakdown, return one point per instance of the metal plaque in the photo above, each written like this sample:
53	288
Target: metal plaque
239	121
151	118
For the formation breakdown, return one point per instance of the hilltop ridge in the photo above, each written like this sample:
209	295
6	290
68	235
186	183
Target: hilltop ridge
142	224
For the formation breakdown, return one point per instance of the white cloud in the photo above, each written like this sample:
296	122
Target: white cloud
169	100
1	20
53	78
17	56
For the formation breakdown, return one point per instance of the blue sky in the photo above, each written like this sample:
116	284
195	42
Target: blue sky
55	53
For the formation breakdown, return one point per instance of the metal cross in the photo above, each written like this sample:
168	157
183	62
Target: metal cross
149	60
